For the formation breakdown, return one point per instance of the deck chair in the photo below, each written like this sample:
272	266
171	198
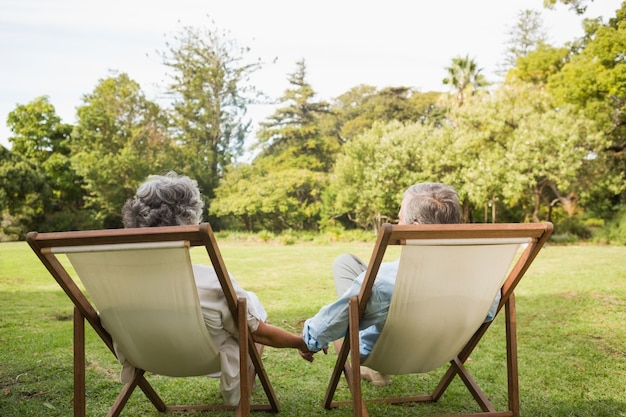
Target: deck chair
448	277
141	293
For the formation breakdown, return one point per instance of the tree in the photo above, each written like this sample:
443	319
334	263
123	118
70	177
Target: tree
360	107
529	153
523	37
40	137
210	90
120	138
259	197
374	169
292	137
23	195
537	66
594	81
464	77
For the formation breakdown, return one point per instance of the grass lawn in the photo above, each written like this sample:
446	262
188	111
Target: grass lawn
571	335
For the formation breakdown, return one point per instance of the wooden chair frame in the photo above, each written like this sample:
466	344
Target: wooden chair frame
398	235
197	235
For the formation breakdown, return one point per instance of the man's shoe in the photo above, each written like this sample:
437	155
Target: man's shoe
376	378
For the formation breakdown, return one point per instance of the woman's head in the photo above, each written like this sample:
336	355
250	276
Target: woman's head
164	200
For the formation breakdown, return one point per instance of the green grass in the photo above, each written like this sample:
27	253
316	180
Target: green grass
571	331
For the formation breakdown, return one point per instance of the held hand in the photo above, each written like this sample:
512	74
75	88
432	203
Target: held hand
308	355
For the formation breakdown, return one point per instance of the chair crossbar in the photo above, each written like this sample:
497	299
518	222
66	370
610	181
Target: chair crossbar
467	242
117	247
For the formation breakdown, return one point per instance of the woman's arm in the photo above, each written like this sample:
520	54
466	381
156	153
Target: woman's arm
269	335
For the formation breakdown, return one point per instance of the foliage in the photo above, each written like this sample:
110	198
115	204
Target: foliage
578	6
465	78
23	195
523	37
538	65
614	232
291	137
209	84
595	82
119	140
549	143
374	169
260	197
40	137
511	142
360	107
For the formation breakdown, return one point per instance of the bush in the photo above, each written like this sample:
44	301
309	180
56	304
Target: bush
572	226
614	232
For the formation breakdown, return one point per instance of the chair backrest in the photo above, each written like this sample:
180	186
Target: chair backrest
443	292
147	300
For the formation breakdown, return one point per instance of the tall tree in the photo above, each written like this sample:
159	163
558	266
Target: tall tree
523	37
119	139
210	83
292	137
464	77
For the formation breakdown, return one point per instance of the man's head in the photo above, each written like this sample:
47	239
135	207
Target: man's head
430	203
164	200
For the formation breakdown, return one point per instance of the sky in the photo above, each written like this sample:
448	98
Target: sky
63	48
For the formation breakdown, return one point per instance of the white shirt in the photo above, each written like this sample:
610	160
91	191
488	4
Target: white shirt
222	326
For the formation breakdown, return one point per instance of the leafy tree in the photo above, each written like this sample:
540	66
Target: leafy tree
374	169
464	77
360	107
120	138
41	138
292	137
209	85
258	197
529	153
595	81
537	66
23	195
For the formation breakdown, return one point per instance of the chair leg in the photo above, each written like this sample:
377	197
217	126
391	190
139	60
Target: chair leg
243	409
340	367
511	354
358	406
472	386
79	364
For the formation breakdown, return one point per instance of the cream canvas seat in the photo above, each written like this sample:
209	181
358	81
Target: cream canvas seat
447	280
141	299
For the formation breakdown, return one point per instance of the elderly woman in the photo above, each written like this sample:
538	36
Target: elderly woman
171	200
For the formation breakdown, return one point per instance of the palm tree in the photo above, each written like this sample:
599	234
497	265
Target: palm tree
464	77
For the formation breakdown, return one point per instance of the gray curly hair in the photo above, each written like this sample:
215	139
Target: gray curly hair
164	200
432	203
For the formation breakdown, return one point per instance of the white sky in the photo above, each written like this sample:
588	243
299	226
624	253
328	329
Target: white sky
62	48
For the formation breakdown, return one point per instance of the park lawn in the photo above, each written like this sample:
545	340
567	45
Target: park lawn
571	335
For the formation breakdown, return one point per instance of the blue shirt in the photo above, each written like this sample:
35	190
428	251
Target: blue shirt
331	322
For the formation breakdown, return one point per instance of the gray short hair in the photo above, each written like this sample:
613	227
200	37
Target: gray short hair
432	203
164	200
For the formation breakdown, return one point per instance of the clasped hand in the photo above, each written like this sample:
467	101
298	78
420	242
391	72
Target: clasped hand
308	355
